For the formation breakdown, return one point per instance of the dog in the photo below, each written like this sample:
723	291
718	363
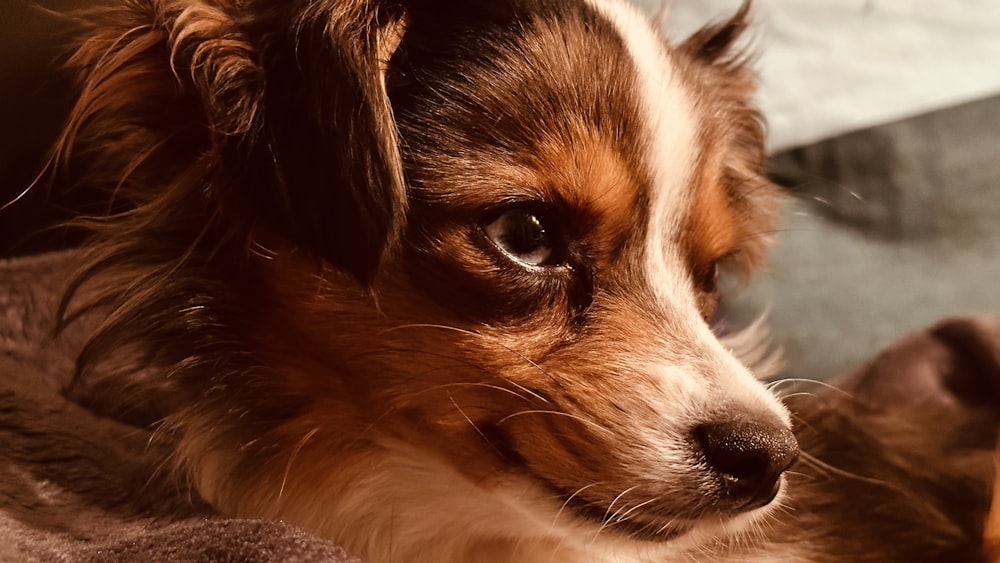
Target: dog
433	278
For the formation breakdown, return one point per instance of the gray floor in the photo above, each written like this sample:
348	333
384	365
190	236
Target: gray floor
890	229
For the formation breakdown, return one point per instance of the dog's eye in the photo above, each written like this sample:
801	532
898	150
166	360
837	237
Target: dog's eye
708	279
521	234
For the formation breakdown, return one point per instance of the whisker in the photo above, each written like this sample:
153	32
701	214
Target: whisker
528	391
475	427
664	527
453	384
814	461
472	384
380	351
19	196
621	517
800	394
291	457
570	499
605	520
773	385
446	386
557	413
617	498
914	500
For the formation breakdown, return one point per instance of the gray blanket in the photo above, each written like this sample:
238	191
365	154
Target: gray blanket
79	486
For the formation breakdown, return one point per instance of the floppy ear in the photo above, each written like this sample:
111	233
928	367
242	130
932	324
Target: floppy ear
266	115
328	128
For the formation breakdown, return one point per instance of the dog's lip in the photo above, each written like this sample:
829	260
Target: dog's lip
632	523
648	526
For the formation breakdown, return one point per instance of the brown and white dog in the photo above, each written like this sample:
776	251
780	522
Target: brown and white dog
433	278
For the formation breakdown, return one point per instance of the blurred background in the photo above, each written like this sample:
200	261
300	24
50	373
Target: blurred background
884	126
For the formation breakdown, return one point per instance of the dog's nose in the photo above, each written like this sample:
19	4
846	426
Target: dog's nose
750	456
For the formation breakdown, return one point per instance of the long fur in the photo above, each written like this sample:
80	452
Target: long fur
298	285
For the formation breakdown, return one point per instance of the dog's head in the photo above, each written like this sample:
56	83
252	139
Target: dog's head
440	267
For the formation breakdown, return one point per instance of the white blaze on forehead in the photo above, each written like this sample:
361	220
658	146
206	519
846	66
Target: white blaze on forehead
668	115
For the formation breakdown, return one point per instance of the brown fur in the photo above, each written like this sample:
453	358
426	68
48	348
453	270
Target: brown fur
261	168
302	264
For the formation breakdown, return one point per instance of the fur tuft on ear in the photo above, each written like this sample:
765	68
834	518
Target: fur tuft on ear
715	42
206	46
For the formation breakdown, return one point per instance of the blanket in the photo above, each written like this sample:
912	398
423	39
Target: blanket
79	486
911	435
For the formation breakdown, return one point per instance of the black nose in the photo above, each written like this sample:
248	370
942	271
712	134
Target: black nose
750	457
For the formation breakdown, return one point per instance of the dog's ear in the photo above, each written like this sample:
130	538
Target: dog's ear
718	41
718	59
721	62
328	133
260	117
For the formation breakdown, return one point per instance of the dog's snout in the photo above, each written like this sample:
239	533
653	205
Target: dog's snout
750	457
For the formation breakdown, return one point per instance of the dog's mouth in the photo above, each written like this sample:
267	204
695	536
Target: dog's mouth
637	521
713	498
644	521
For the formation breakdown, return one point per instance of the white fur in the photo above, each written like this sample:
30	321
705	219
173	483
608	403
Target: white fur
400	503
669	115
670	157
687	390
414	508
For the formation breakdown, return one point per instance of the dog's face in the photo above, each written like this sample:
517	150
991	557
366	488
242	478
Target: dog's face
571	193
483	311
